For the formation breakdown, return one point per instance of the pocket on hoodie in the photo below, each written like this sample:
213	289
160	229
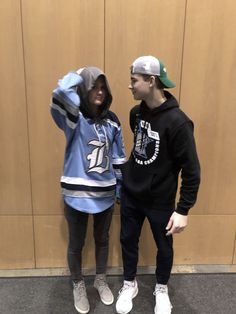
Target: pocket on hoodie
163	188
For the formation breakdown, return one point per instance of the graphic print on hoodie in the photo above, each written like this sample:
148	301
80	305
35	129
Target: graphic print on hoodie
144	137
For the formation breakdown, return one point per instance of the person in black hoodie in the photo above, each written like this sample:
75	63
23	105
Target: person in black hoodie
164	147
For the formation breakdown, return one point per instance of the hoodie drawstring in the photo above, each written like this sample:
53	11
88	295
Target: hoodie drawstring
99	136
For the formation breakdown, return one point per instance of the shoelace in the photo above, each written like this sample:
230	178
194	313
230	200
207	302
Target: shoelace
160	290
125	287
80	287
101	282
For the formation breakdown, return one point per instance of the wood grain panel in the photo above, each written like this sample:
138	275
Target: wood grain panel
57	38
147	247
136	28
50	241
115	257
16	242
207	240
207	95
15	194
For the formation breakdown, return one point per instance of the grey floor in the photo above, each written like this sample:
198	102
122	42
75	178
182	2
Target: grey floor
189	293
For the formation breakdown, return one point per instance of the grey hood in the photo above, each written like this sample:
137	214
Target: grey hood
90	75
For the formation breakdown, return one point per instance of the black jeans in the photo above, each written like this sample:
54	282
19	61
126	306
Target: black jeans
77	227
133	214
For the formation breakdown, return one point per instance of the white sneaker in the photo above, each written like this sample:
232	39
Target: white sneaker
124	302
163	305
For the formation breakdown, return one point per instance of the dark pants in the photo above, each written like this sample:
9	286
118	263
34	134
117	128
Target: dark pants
133	214
77	227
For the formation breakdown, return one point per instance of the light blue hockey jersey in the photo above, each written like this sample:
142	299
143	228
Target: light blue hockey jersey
94	148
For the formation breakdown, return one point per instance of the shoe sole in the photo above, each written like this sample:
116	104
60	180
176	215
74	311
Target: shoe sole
81	311
168	312
107	303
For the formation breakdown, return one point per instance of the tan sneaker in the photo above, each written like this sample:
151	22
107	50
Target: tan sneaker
80	297
104	291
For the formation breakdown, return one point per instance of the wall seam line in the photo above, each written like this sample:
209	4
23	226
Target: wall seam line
104	39
234	248
182	57
28	131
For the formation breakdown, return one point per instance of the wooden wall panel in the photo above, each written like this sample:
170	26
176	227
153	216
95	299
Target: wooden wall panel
16	242
15	194
58	37
207	94
147	247
206	240
115	257
50	241
136	28
209	239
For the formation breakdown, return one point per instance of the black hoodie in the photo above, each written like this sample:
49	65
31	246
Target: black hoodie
164	146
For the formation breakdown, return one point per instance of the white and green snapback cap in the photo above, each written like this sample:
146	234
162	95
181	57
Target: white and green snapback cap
150	65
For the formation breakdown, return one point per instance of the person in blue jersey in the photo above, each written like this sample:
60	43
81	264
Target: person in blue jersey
91	178
164	147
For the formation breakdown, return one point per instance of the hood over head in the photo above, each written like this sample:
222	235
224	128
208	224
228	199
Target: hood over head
90	75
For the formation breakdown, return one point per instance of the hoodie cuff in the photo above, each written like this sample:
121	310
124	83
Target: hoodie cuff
182	211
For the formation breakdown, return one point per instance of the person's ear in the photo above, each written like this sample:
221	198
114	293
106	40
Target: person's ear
152	81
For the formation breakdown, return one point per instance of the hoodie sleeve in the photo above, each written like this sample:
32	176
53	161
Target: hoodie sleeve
186	159
65	102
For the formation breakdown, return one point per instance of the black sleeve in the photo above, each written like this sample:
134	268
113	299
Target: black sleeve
186	159
132	116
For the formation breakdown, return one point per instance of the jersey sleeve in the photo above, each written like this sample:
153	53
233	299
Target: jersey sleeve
118	156
66	102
